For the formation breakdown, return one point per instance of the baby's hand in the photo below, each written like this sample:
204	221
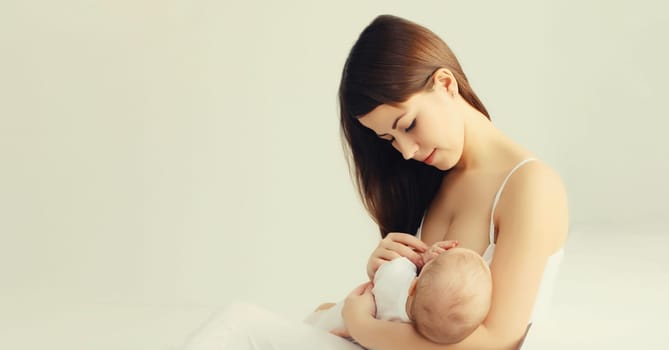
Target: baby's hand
437	249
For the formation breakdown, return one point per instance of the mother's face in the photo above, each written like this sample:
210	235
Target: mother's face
428	127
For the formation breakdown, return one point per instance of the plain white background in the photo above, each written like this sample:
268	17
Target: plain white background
185	154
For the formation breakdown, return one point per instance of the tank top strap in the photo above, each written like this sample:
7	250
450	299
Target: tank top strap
499	193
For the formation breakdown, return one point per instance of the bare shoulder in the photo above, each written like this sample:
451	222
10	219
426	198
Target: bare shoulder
535	199
532	221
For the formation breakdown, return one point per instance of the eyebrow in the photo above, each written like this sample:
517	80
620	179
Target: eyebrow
394	124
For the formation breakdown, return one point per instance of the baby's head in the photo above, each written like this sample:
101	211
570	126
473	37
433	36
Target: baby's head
451	296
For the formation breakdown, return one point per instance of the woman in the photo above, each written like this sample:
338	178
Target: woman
428	162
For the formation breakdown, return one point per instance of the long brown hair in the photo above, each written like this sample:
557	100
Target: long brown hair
392	59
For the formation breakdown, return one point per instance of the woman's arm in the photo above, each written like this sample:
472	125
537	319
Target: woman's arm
400	336
386	335
532	218
532	223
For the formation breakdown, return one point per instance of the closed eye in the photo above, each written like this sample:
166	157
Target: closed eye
411	126
407	129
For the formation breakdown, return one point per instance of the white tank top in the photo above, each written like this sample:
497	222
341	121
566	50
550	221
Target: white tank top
544	295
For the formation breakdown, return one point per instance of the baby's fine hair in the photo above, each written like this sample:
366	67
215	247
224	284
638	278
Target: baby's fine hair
452	296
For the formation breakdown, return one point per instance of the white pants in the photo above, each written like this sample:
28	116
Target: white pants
242	326
328	319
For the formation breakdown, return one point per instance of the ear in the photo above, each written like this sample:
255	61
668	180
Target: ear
412	287
411	297
444	78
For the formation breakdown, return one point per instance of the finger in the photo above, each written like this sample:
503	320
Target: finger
399	247
359	290
376	264
422	261
447	244
368	289
408	240
427	257
402	250
387	254
340	332
379	257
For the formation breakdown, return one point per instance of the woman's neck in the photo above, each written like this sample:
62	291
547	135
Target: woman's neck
485	147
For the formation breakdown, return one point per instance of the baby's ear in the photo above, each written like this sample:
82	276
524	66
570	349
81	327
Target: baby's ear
412	287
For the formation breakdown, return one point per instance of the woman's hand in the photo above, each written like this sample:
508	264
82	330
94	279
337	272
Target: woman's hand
395	245
359	305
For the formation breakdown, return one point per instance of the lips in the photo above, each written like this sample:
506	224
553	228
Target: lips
429	158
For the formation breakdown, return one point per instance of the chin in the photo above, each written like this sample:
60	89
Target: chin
442	166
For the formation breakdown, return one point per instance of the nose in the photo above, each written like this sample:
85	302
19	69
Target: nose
406	146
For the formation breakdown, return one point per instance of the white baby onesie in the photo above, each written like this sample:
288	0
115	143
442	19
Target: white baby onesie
391	290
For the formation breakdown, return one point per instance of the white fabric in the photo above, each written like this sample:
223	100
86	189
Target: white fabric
241	326
391	290
329	319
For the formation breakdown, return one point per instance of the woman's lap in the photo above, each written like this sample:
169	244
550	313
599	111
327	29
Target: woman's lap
242	326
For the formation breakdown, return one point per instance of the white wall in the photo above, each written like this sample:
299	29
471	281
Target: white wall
606	92
188	151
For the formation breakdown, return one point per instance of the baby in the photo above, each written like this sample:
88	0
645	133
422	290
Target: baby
445	302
